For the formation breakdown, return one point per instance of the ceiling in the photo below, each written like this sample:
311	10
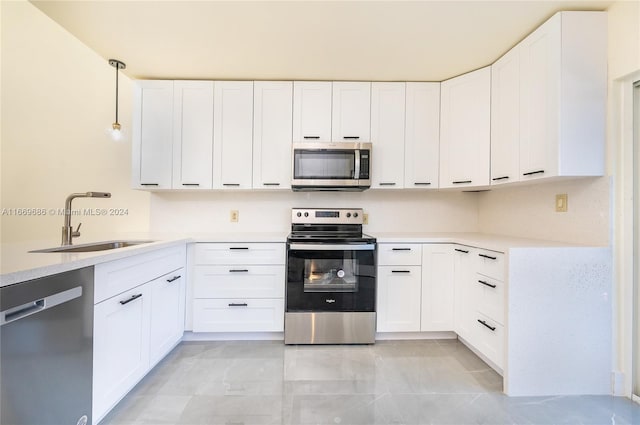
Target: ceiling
304	40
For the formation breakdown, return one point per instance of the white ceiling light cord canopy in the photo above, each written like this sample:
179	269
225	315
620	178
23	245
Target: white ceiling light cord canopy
116	131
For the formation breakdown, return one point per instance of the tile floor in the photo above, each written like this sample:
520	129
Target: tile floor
391	382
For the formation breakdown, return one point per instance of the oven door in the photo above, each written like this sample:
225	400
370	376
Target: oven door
330	277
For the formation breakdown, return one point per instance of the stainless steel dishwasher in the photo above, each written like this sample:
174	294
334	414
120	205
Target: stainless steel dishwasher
46	350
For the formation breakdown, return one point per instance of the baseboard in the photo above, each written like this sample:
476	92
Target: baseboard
279	336
484	358
389	336
233	336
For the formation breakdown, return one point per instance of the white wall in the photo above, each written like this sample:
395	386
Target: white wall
57	99
271	211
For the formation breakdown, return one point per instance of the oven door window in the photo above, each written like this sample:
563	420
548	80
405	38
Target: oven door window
331	275
324	165
327	280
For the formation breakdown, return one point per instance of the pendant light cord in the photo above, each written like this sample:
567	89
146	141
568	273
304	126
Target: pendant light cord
117	69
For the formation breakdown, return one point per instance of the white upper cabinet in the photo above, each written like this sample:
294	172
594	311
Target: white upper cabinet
272	134
422	136
505	118
192	134
351	112
387	134
233	134
465	130
152	135
312	111
563	86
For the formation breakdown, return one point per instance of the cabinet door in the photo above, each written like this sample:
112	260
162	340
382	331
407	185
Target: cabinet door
505	118
387	134
351	112
540	64
437	287
167	314
272	134
422	136
193	134
233	134
152	135
120	346
465	130
398	307
312	111
463	275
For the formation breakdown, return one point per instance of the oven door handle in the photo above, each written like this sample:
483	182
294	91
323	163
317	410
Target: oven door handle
331	247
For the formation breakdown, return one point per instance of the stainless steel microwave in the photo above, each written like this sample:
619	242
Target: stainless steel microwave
321	166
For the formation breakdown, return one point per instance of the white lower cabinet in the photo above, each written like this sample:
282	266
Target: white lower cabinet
463	273
399	298
489	339
399	287
137	324
167	314
444	287
437	287
239	287
120	346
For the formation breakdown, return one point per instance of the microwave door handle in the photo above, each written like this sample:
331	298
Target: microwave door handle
357	165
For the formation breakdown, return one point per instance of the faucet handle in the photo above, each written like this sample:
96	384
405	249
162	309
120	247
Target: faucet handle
76	232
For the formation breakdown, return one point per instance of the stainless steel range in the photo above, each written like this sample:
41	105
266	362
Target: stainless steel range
331	278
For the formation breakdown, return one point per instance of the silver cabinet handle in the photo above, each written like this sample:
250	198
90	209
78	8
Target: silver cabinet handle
331	247
36	306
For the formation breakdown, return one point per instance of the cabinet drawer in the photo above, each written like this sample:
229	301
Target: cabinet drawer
238	315
117	276
490	339
239	282
490	297
491	264
239	253
399	254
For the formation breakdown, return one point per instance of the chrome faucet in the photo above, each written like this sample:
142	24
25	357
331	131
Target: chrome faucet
67	230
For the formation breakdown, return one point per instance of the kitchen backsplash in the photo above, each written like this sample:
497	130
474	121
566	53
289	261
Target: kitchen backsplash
389	211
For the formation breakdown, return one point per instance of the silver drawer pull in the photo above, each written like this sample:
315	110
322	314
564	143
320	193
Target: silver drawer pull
239	271
238	305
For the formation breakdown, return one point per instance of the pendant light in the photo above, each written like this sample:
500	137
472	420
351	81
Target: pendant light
116	130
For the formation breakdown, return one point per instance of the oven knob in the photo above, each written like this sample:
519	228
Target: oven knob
348	215
299	214
306	214
355	214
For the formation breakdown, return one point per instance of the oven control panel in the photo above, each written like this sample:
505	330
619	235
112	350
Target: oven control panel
326	216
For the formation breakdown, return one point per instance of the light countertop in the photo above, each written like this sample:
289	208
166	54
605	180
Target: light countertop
17	264
478	240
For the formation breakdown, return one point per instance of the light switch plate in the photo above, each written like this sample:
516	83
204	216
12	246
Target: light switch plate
562	201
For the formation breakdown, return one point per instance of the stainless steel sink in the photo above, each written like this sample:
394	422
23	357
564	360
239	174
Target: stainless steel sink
91	247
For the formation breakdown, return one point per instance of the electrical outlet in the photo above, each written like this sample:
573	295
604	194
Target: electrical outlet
365	218
234	216
562	202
